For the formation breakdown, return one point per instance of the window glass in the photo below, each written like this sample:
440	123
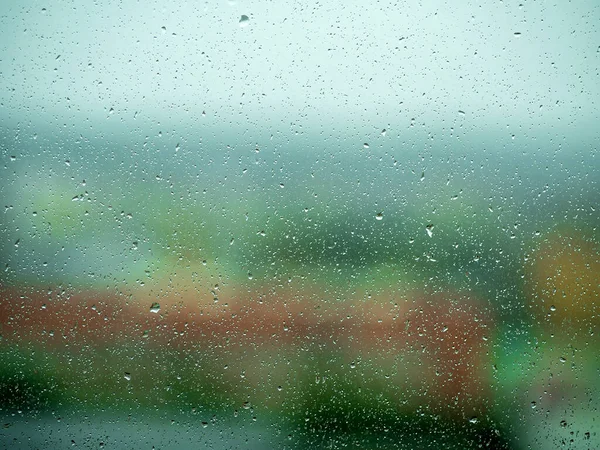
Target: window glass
254	224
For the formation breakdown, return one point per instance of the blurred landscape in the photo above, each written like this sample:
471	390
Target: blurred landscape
407	302
203	244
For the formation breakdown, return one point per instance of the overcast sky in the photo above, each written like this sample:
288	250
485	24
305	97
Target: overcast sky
334	63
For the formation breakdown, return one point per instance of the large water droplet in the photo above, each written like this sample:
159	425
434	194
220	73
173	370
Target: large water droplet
244	20
429	229
155	307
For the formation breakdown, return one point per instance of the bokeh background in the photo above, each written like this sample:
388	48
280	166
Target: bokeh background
256	225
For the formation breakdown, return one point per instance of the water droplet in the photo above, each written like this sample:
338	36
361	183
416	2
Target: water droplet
127	376
461	112
563	423
244	20
365	145
553	308
155	307
353	365
517	34
473	420
429	229
249	276
379	216
533	405
563	359
383	132
163	30
204	424
246	405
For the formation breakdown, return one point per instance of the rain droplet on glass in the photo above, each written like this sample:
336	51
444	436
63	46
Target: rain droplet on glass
244	20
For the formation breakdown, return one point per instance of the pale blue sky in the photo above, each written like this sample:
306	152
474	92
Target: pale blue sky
314	64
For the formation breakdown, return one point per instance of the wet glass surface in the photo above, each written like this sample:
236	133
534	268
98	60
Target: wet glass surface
257	225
